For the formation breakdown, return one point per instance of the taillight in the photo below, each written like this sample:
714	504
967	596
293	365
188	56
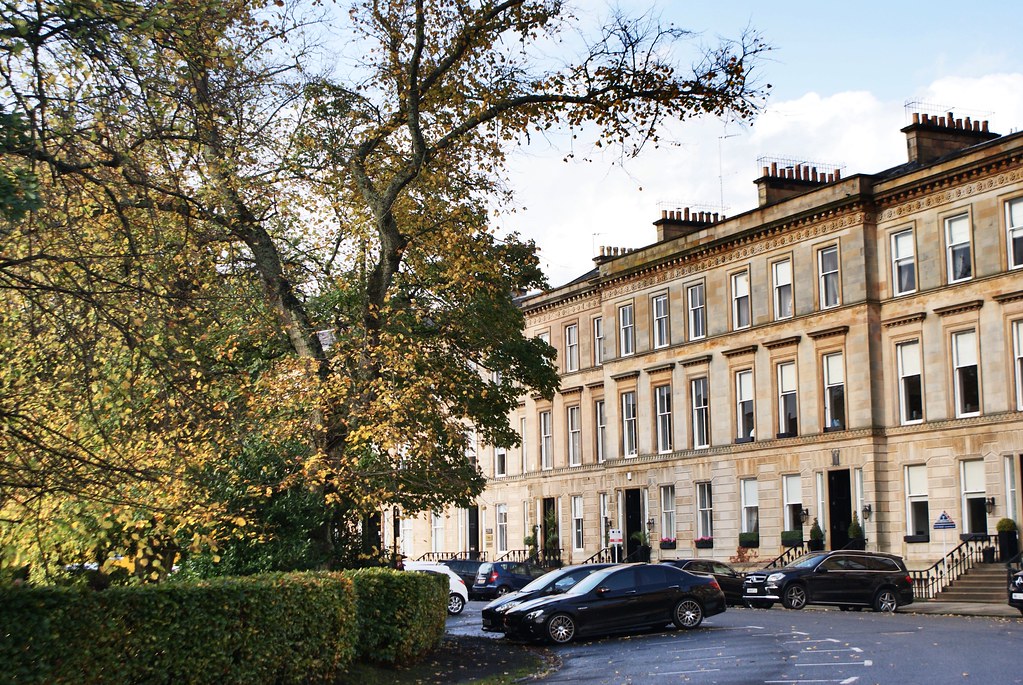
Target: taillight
909	579
493	577
714	584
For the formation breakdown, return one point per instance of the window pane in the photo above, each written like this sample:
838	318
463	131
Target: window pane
965	348
916	479
973	476
787	377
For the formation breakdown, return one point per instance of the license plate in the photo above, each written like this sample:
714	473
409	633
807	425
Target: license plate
751	591
1017	595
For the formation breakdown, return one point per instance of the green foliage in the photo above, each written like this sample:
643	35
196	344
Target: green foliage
297	628
749	539
855	529
401	615
792	538
1006	525
816	533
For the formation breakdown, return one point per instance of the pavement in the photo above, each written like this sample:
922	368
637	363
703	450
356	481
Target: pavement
998	610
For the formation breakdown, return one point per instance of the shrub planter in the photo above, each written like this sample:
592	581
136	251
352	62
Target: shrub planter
856	543
792	538
816	545
749	539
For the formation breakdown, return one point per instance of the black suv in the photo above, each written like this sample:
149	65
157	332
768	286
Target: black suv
466	570
846	578
1016	591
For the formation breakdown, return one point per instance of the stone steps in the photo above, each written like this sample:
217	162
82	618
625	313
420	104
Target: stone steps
984	584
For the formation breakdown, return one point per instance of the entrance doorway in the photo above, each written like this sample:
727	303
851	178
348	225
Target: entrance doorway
473	532
840	508
550	544
633	520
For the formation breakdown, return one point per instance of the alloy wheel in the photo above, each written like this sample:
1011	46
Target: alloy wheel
795	597
885	601
455	604
561	628
688	614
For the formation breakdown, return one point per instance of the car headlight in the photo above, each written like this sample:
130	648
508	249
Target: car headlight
535	616
775	577
507	607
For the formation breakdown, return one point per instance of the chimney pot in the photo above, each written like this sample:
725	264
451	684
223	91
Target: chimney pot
766	170
715	217
916	117
774	168
983	126
687	214
838	174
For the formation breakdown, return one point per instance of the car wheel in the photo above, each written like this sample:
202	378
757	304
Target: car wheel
455	604
794	597
560	628
503	590
688	614
885	601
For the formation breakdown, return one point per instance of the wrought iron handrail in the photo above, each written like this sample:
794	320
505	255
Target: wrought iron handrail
444	556
927	583
789	555
542	558
604	556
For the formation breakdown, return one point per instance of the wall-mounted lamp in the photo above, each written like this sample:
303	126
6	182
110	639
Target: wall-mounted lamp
804	515
650	524
867	511
990	504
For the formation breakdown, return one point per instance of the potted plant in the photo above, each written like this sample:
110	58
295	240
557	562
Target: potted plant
667	543
749	539
641	537
1008	538
816	536
856	539
704	542
792	538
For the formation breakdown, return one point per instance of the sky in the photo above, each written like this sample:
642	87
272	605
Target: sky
841	75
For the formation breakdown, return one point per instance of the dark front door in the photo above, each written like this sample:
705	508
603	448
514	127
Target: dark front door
840	509
633	521
551	545
474	532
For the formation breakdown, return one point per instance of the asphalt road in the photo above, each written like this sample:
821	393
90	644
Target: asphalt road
779	646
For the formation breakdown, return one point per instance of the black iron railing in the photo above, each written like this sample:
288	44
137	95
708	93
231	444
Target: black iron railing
608	555
788	556
444	556
930	581
544	558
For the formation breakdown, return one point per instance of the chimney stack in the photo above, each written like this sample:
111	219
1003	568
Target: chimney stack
678	223
930	136
785	178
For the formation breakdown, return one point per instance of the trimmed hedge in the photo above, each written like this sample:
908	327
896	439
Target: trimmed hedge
280	628
401	615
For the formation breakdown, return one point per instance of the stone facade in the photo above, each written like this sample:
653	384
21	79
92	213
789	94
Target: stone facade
886	309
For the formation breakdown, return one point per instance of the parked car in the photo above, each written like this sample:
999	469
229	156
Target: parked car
555	582
620	598
457	594
1016	591
466	570
846	578
728	578
494	579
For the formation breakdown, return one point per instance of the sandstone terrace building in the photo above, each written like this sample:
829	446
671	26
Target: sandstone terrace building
851	345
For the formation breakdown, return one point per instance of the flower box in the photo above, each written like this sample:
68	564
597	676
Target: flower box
704	543
667	544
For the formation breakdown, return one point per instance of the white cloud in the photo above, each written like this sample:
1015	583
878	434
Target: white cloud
573	208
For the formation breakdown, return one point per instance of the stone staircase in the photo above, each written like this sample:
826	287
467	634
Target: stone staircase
982	584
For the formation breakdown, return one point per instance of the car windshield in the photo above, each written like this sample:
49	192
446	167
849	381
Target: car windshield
538	583
589	582
807	561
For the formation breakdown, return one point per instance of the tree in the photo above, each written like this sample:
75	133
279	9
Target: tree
210	208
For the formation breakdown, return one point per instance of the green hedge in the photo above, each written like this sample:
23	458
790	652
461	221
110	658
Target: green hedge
281	628
402	615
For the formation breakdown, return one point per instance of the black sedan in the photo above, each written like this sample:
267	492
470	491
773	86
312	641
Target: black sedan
1016	591
616	599
728	578
554	583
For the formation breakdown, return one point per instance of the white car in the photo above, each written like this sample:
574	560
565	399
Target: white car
458	594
